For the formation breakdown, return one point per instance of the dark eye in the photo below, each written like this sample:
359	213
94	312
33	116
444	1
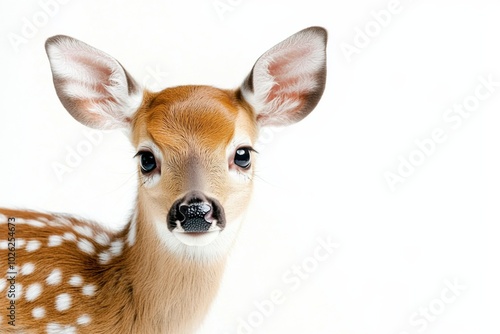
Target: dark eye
242	157
148	162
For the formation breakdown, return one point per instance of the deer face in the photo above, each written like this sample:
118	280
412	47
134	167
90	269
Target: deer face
194	143
195	161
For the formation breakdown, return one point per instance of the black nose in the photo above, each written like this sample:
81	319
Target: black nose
196	212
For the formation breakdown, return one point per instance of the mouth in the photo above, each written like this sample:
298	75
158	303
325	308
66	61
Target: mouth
196	238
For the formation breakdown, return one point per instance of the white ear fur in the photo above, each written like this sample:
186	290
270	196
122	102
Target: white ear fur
288	80
94	88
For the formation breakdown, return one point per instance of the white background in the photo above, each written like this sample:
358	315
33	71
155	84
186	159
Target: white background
322	178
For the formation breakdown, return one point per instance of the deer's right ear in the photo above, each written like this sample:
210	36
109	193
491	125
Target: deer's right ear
94	88
288	80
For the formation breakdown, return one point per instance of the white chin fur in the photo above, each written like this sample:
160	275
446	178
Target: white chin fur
211	246
199	239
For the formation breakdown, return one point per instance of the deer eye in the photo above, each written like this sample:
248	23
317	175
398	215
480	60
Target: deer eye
242	157
147	161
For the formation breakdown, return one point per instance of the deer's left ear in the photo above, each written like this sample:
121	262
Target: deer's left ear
288	80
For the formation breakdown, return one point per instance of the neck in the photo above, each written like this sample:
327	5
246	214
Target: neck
165	289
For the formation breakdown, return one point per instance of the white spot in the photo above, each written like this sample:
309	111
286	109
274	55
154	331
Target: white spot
20	243
55	328
68	236
3	219
4	244
102	239
63	302
38	312
76	280
33	291
33	245
104	257
55	240
35	223
88	290
27	268
83	320
116	248
86	246
54	278
54	223
86	231
65	221
44	219
3	284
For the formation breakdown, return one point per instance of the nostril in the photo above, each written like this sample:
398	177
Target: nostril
209	217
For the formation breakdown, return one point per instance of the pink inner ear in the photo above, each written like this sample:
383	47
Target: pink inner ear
95	65
95	75
85	110
288	62
91	116
291	74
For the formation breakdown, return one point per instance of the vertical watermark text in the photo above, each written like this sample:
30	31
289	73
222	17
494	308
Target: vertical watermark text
11	271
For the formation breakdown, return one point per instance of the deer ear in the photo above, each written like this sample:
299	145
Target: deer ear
94	88
287	81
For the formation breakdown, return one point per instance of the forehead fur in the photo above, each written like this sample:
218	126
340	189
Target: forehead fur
176	116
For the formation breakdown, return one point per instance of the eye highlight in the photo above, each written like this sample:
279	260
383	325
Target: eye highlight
242	157
147	162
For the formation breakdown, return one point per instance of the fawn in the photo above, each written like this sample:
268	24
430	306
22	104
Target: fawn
195	171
